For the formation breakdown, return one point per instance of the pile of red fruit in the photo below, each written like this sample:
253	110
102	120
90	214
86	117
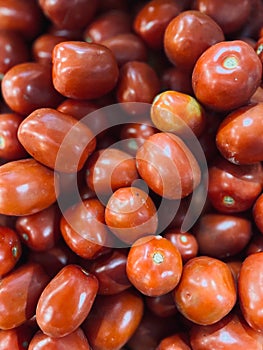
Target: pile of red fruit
131	175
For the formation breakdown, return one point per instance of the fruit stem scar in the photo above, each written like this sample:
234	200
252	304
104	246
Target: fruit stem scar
227	200
2	142
14	251
230	62
158	258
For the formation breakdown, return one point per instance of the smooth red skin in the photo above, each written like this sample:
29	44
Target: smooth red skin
23	16
73	341
28	86
168	166
218	89
133	135
173	78
89	113
138	82
238	143
14	50
83	228
110	169
250	290
44	131
235	266
106	5
258	213
19	183
151	21
153	278
107	25
10	249
70	15
17	338
229	333
130	214
10	147
222	235
19	294
127	47
242	183
188	35
230	15
43	46
206	292
110	271
185	242
177	341
67	34
179	113
255	245
83	70
162	306
66	301
257	96
151	330
39	231
53	259
113	320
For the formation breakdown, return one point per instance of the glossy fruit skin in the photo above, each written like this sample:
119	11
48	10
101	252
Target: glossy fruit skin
127	47
83	228
83	70
234	188
10	249
177	341
39	231
172	176
61	310
110	271
185	242
154	265
107	25
178	113
222	235
19	293
250	290
10	147
19	183
232	332
69	15
54	259
23	16
113	320
44	131
188	35
173	78
138	82
151	330
14	50
151	21
230	15
16	338
130	214
28	86
233	66
43	46
238	136
74	341
257	213
110	169
206	292
162	305
133	135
